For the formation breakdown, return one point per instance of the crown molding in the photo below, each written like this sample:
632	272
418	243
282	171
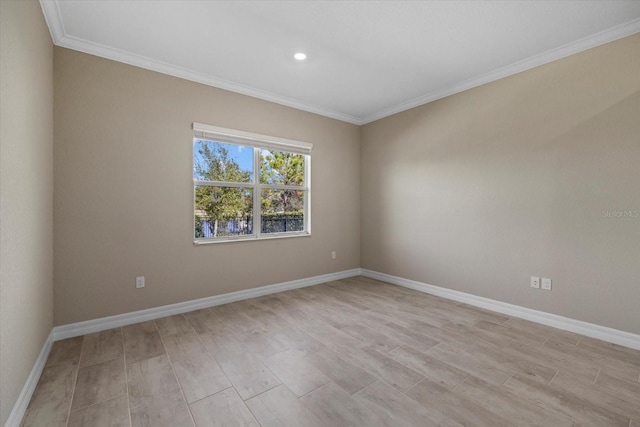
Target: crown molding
107	52
53	18
54	21
60	38
606	36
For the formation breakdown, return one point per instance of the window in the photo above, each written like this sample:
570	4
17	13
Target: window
249	186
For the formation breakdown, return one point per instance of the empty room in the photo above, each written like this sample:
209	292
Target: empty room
319	213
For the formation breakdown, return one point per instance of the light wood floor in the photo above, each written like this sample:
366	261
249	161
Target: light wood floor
356	352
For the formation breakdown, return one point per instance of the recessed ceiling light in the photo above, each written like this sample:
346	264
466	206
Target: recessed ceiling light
300	56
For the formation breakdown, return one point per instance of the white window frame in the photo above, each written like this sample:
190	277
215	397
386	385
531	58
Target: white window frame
257	142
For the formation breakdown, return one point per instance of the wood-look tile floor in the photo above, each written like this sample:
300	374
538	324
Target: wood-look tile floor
355	352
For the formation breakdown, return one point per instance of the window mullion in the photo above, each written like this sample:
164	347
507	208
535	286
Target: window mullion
257	196
307	194
222	184
221	202
282	187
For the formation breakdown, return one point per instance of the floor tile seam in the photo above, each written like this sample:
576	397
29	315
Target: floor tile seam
262	392
388	352
102	361
512	366
324	346
166	352
462	381
383	333
624	380
75	380
212	394
607	359
418	332
244	402
118	396
82	349
346	360
346	333
229	355
126	380
542	345
315	389
75	383
77	362
325	385
612	393
597	404
260	360
423	379
370	372
263	357
535	403
369	385
461	368
420	404
175	377
175	333
107	399
595	380
71	410
590	362
558	365
377	379
507	380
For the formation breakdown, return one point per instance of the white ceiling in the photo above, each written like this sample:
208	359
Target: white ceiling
366	60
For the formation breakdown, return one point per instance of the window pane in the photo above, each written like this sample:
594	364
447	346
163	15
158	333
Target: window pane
223	212
218	161
282	211
281	168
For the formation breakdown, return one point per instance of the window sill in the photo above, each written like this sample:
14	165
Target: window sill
199	242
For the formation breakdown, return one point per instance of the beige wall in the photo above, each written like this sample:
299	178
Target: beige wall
475	192
26	188
481	190
124	191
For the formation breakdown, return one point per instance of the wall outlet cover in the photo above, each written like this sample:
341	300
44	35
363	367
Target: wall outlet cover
535	282
546	284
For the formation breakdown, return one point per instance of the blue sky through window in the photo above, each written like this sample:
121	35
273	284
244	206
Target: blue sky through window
241	154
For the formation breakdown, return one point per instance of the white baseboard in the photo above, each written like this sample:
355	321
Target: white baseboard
81	328
611	335
20	407
104	323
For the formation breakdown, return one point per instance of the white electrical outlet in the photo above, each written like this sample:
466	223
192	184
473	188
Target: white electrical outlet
140	282
535	282
333	254
546	284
